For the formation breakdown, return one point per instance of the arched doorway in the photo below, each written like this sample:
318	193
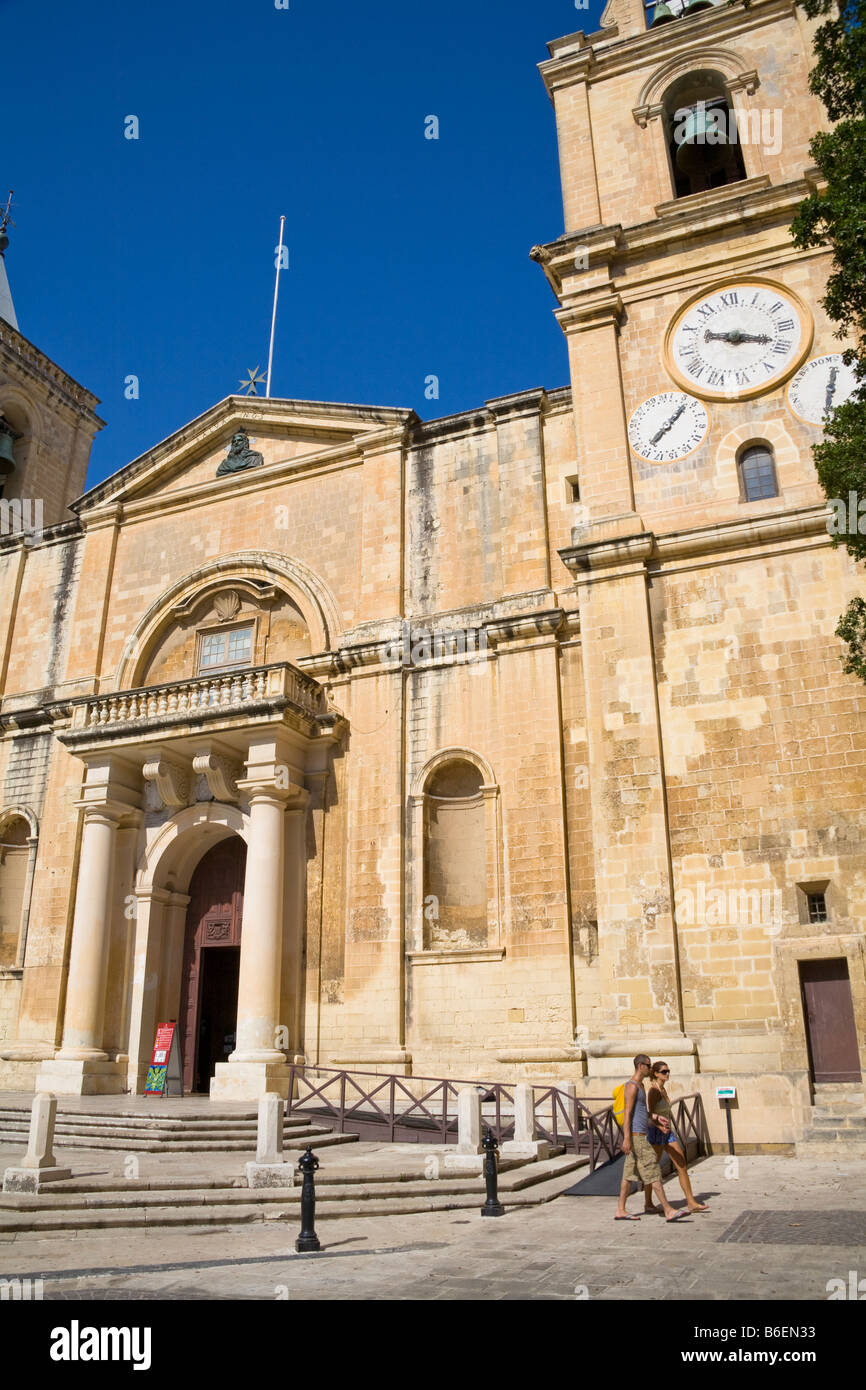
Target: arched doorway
211	960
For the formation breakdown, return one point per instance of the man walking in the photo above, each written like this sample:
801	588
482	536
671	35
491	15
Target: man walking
641	1164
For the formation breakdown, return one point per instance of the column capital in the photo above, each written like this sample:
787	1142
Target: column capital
108	812
276	792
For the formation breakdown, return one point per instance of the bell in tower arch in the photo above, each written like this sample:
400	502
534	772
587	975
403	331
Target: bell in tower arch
702	138
702	133
7	457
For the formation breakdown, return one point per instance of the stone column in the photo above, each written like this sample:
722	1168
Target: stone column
150	908
640	1004
88	962
257	1065
262	932
82	1066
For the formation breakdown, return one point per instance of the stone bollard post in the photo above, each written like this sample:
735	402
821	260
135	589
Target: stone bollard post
38	1165
524	1144
269	1169
469	1157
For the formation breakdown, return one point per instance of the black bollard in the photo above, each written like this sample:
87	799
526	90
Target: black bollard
308	1240
493	1206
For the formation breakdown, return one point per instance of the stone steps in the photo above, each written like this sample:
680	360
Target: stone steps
835	1121
183	1203
837	1128
155	1133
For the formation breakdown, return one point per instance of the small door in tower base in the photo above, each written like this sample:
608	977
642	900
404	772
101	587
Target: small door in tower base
828	1009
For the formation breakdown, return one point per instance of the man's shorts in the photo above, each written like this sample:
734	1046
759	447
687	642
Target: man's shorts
641	1165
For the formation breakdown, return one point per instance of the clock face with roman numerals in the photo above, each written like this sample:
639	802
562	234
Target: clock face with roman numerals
668	427
738	341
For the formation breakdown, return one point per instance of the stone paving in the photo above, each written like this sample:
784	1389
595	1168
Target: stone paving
569	1249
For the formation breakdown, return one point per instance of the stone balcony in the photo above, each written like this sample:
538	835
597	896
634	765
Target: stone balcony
217	703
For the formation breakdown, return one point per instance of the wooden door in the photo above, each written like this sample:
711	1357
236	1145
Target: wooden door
829	1013
213	923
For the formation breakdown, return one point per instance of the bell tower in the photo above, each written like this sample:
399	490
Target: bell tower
701	366
47	423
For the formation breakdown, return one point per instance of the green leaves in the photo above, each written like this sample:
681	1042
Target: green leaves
836	216
852	630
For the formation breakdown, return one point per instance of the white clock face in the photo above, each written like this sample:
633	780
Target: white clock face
819	386
667	427
737	341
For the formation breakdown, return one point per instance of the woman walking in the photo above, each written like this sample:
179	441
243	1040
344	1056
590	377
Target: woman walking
663	1136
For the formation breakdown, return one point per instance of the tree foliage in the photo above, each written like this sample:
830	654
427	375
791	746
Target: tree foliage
835	215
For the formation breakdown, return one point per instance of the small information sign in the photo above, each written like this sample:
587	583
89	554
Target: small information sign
164	1075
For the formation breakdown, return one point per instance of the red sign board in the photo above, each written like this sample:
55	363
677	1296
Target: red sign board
164	1074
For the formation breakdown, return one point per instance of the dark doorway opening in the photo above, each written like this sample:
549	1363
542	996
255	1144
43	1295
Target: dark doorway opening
211	962
828	1009
218	1010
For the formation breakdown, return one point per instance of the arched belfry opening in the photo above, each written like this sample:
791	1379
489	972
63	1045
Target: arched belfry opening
701	133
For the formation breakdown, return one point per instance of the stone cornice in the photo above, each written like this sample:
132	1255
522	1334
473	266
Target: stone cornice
258	413
593	58
215	489
524	629
742	533
42	369
747	204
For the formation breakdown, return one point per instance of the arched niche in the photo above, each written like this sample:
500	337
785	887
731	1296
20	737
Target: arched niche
454	857
18	844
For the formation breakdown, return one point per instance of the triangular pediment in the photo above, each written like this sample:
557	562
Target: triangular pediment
284	432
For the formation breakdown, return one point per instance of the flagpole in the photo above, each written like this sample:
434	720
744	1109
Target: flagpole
274	314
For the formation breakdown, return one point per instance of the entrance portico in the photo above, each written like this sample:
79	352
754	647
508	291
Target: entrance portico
179	774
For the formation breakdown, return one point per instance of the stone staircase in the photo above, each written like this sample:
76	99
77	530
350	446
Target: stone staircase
97	1205
196	1130
838	1125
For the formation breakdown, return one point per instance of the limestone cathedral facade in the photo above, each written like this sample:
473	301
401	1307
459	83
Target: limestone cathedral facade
500	745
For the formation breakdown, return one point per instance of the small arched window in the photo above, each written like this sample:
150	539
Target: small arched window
702	136
455	859
757	469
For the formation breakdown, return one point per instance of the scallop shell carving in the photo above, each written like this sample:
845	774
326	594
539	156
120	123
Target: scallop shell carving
227	605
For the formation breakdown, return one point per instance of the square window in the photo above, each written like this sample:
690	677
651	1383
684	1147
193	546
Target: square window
817	903
813	907
219	651
212	648
240	642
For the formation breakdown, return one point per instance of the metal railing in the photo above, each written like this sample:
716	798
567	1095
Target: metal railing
416	1109
423	1109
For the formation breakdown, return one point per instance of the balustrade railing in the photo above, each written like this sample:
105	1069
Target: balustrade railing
203	695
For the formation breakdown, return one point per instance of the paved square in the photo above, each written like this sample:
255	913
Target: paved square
790	1214
798	1228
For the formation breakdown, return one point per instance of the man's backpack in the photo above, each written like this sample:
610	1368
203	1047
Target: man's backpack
619	1103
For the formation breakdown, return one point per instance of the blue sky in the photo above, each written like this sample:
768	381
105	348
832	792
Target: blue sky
408	256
